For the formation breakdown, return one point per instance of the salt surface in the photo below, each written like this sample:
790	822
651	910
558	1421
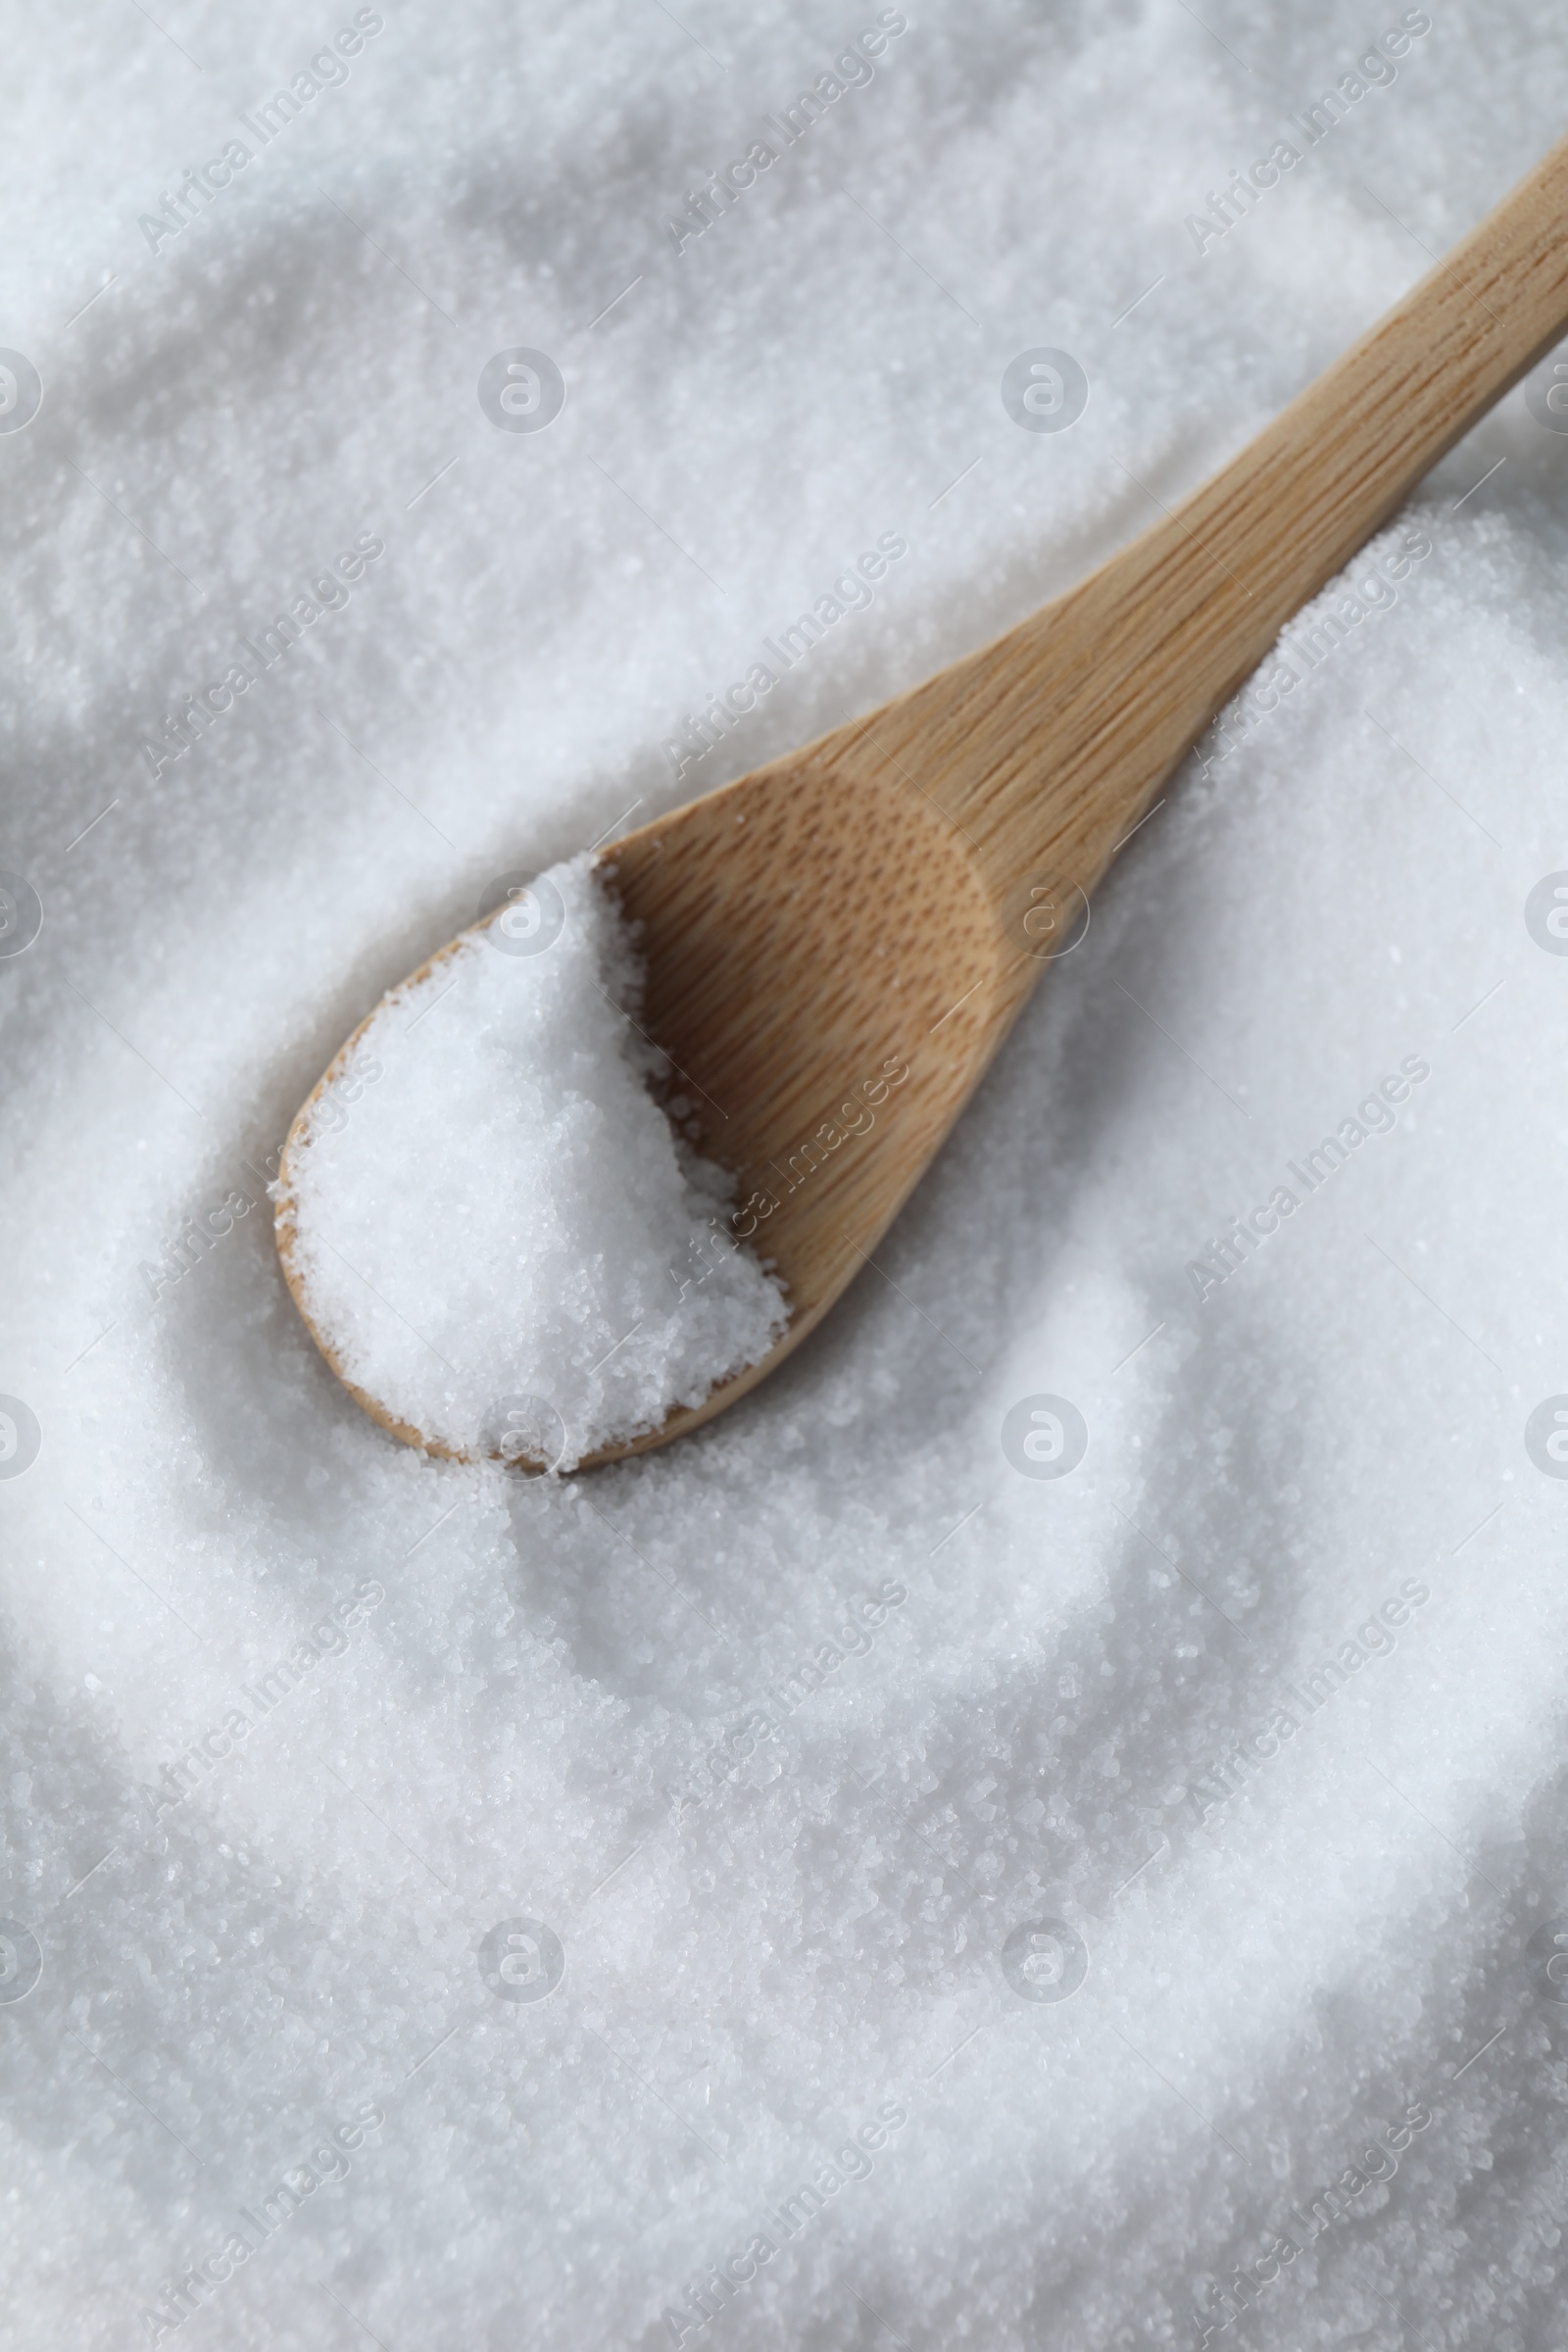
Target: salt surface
492	1224
300	1730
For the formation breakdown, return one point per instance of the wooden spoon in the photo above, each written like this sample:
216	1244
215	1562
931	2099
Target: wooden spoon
838	942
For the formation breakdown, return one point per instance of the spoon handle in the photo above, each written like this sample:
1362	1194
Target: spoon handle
1103	691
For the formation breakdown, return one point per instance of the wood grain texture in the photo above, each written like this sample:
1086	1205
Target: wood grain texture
885	898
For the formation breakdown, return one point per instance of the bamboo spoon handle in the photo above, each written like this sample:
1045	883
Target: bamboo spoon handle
1106	689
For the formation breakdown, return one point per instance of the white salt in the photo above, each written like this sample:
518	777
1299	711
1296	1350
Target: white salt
565	1732
498	1231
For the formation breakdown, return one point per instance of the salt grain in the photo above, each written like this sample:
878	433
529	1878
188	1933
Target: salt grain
496	1230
